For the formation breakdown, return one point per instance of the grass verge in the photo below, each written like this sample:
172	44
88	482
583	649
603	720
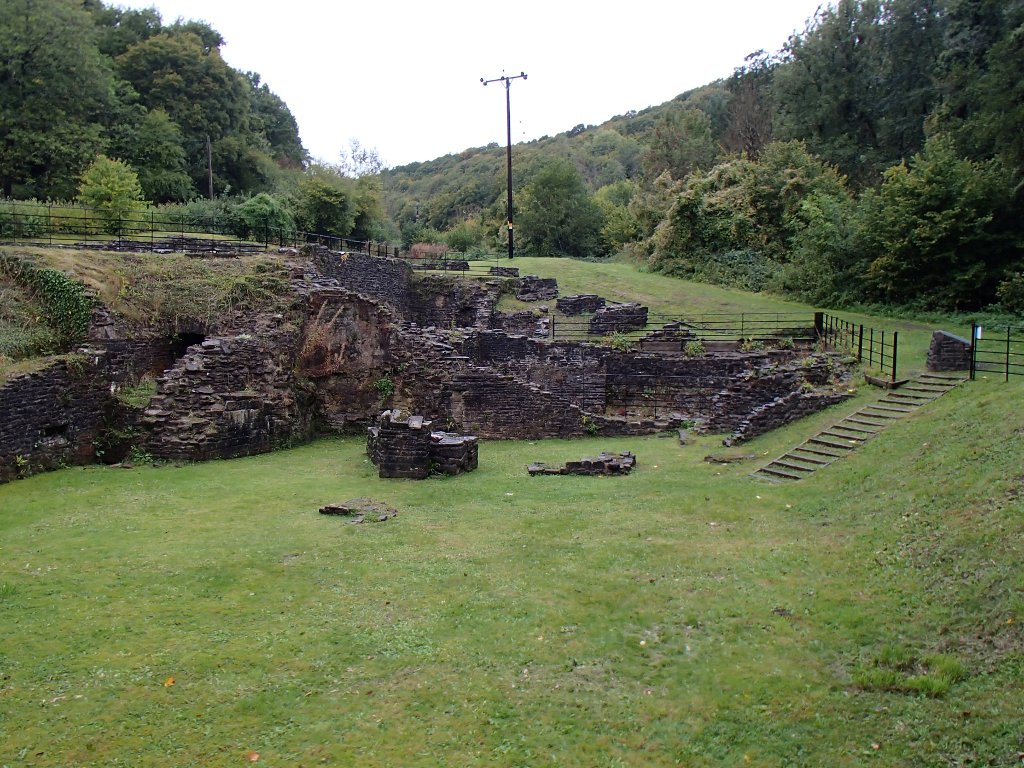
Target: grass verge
686	614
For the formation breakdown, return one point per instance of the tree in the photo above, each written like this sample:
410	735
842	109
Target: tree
681	144
937	230
183	74
156	151
326	203
859	82
54	88
272	120
113	189
750	108
263	216
557	217
620	224
358	161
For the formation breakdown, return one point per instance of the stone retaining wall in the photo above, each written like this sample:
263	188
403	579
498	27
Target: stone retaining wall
51	417
783	410
948	353
228	397
534	288
386	280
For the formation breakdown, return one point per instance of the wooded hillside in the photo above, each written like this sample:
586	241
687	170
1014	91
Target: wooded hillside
876	158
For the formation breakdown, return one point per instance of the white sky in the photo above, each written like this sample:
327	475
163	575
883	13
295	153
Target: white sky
404	76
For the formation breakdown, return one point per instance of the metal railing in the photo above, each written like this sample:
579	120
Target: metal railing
177	231
751	327
877	348
997	349
160	231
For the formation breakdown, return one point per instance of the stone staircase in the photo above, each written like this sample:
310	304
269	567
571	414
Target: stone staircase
849	433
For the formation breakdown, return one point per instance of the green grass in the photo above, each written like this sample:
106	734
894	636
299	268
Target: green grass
686	614
620	280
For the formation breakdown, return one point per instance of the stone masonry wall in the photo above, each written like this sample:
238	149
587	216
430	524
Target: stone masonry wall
51	417
495	405
228	397
386	280
618	318
948	353
783	410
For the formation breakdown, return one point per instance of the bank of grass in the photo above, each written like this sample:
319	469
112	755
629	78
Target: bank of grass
686	614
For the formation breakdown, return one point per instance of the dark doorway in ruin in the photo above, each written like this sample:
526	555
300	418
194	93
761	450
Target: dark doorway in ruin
180	343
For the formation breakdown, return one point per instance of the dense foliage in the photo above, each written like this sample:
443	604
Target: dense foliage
876	158
117	109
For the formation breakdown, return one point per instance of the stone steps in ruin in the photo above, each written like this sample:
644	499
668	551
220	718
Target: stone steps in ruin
850	432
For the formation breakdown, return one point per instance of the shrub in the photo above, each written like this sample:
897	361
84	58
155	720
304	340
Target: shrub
385	387
262	216
112	188
1011	293
694	348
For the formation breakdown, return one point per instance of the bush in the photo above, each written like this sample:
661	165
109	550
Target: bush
694	348
262	217
1011	294
112	188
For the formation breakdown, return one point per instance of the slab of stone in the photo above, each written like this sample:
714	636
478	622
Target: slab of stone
361	510
603	464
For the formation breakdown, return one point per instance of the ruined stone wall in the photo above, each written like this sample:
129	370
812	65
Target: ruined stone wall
744	396
496	405
228	397
51	417
782	411
618	318
686	385
443	301
574	372
386	280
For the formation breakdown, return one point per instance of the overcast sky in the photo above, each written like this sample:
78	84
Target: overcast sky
404	76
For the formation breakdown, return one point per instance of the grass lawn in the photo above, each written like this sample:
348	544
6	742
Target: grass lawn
684	615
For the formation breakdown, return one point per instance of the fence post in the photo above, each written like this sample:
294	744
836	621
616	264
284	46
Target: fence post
860	343
1007	377
974	349
819	324
895	348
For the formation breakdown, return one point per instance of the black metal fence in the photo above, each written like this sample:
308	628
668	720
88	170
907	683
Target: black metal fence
750	327
997	350
32	223
877	348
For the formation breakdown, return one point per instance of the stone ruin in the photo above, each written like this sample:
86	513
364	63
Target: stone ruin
579	304
356	335
603	464
503	271
618	318
408	448
534	288
671	337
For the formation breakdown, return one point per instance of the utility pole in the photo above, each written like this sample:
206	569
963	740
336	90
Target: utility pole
507	80
209	165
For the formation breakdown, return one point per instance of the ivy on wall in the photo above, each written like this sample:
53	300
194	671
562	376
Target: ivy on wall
66	306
